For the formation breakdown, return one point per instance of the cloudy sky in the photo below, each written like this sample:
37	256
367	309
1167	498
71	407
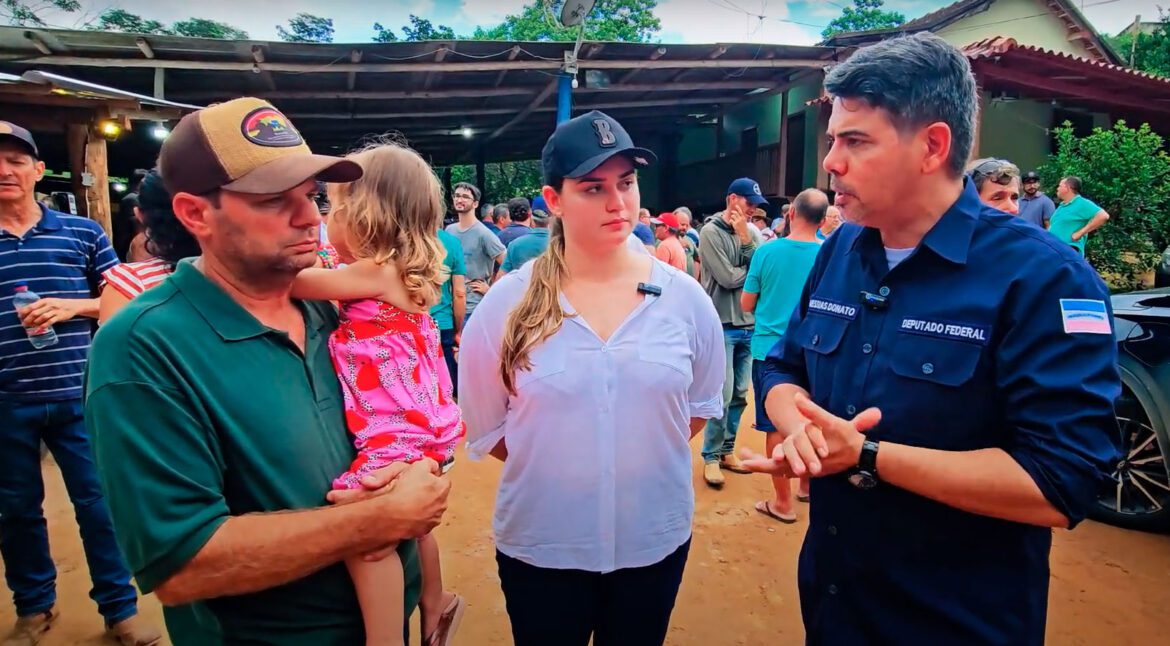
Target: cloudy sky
683	21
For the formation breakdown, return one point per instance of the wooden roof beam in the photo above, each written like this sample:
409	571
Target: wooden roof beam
512	54
470	93
257	59
654	55
548	91
144	46
38	42
470	66
440	54
355	57
717	52
535	106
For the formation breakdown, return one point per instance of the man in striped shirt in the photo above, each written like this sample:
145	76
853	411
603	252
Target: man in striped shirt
60	257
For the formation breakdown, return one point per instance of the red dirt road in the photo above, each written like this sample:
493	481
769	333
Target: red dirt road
1109	586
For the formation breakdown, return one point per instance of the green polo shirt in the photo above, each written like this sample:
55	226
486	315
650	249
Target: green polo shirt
198	412
1070	217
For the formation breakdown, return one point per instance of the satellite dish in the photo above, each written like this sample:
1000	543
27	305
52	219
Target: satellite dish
574	11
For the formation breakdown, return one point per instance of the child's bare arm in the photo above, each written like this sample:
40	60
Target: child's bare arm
362	279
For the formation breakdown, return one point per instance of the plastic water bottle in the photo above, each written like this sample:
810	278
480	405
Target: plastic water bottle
42	338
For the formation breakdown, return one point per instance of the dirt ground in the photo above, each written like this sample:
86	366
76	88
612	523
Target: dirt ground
1109	586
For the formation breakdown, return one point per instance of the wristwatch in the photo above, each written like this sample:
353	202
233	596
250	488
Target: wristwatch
866	476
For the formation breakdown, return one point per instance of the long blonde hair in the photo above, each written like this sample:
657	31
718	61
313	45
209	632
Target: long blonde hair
539	314
392	214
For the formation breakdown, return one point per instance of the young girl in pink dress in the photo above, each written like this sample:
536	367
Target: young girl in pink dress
398	402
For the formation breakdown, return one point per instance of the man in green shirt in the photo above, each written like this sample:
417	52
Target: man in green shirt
216	418
1077	216
451	309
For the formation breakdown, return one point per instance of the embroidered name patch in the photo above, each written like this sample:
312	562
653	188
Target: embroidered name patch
1085	316
943	330
840	310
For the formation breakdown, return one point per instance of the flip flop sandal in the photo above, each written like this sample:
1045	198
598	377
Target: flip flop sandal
449	620
765	508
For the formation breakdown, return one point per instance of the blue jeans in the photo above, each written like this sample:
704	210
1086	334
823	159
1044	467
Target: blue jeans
719	434
24	539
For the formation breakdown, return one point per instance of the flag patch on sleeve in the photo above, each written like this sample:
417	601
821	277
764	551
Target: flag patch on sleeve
1085	316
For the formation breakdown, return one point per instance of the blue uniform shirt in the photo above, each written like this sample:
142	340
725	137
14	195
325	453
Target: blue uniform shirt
972	350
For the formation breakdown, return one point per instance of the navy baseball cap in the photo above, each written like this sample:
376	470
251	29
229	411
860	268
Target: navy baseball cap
578	146
9	130
748	189
1031	176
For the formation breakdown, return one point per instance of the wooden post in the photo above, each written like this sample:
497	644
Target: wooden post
668	172
99	192
823	112
981	107
76	135
719	135
782	185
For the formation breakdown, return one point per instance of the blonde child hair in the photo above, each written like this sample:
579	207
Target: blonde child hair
392	214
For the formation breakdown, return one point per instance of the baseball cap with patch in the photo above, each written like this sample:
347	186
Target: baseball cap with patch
246	146
578	146
11	131
748	189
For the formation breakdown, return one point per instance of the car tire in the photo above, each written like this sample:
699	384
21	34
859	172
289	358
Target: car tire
1136	494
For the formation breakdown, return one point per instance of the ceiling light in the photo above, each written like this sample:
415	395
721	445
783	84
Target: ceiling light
119	187
468	132
110	129
159	132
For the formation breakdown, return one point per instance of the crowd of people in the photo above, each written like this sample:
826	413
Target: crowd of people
259	431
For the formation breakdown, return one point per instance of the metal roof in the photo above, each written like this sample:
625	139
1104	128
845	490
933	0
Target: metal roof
503	93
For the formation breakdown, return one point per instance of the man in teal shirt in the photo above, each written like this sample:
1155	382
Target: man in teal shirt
525	248
1077	216
449	311
772	291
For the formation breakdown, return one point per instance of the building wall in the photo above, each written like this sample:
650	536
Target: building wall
1019	131
1030	22
761	113
697	144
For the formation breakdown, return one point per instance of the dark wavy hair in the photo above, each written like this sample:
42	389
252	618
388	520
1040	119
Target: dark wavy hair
166	238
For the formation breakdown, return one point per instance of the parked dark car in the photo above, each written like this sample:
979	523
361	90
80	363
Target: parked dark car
1138	495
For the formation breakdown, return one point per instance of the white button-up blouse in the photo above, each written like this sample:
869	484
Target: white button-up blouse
598	475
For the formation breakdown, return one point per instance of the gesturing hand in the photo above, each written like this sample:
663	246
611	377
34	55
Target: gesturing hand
826	445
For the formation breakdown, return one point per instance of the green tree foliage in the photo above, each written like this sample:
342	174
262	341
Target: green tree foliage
611	20
505	180
121	20
203	28
1150	53
864	15
307	28
422	29
383	34
29	13
1126	172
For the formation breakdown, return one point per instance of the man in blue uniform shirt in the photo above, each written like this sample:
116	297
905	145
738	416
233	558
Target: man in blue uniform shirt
947	378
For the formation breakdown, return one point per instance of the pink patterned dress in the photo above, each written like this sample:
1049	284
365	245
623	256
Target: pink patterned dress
398	404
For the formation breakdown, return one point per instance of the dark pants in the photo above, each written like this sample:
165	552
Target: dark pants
24	539
565	607
447	342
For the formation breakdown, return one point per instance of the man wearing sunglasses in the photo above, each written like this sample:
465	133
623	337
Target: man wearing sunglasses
1035	206
998	183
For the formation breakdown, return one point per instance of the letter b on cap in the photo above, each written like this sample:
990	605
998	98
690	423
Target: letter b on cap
605	136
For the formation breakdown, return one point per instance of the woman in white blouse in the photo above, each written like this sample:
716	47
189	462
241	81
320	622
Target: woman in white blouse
589	371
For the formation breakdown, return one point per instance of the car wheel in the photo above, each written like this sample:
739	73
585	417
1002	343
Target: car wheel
1137	495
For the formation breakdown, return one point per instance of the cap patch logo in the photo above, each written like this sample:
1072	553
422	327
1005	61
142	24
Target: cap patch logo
5	129
756	189
267	127
605	136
